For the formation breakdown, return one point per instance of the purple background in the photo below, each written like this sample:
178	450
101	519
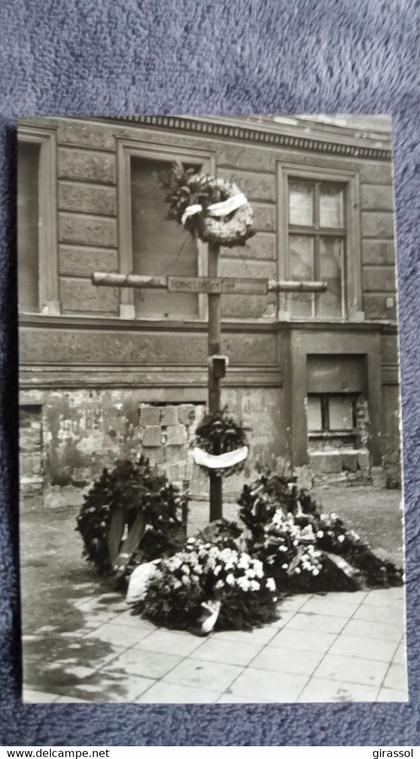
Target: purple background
107	57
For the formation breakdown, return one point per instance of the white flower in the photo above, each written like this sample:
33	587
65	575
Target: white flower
270	584
254	585
341	538
230	580
219	585
284	566
297	571
315	572
320	534
185	580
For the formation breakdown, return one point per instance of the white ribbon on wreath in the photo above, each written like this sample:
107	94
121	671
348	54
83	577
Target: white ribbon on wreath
223	208
220	461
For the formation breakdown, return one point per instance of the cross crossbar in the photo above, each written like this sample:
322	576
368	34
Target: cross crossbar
217	285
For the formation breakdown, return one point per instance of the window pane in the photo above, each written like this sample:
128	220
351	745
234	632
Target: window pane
301	203
160	245
301	269
340	413
331	207
314	414
331	271
27	224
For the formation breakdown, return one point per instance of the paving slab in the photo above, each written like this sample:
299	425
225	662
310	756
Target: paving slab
255	686
303	640
170	642
105	687
364	648
319	690
258	635
385	597
316	622
396	677
37	697
197	673
287	660
120	635
174	693
380	630
352	670
387	694
228	651
139	662
337	607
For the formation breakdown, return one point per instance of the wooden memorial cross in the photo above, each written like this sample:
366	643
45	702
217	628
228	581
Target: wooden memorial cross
215	287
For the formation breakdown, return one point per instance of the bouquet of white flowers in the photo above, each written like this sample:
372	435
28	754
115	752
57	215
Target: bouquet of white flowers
205	573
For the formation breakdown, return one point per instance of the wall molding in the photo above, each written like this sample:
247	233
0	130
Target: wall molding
118	324
37	378
263	135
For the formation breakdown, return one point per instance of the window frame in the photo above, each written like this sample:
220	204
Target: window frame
326	430
351	285
126	150
45	138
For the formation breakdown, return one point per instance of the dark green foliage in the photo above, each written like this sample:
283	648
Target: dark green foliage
221	533
296	541
130	488
244	611
186	187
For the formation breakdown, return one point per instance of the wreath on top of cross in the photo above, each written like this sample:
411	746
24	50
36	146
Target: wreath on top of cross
211	208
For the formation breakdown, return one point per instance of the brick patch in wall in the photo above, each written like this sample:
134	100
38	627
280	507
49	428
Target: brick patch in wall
166	432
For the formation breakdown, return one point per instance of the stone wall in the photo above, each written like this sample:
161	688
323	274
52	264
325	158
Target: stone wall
88	185
84	431
93	366
31	471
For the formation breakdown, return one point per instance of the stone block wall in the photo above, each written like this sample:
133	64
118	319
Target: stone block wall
30	452
83	431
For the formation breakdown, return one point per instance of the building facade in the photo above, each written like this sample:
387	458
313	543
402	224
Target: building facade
106	373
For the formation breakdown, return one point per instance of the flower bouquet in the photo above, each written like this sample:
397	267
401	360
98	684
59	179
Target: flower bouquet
213	209
304	549
234	583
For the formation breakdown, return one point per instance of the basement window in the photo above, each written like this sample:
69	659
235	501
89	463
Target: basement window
331	413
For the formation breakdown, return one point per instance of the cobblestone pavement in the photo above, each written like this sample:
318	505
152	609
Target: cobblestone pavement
81	643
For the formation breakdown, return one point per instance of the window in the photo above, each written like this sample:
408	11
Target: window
317	245
27	217
37	221
319	239
331	413
150	244
160	246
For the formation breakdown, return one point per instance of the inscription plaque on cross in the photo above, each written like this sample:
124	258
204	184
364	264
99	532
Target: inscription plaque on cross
214	286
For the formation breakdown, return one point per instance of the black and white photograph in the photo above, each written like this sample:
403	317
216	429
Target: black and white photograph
210	456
